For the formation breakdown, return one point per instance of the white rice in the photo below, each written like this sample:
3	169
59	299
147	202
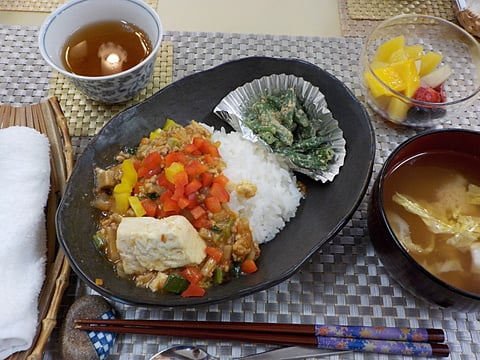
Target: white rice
277	196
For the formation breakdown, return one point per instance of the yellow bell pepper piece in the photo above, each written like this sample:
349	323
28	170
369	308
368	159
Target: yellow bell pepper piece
122	188
136	206
129	173
155	133
121	202
169	123
386	49
172	170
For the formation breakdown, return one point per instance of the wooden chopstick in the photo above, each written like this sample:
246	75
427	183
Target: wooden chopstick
228	326
259	337
425	342
381	333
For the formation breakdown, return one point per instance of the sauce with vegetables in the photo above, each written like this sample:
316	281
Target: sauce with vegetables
175	172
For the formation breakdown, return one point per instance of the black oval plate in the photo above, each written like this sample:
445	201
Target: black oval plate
321	215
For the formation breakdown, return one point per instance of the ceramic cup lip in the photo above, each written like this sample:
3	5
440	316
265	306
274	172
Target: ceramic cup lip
68	19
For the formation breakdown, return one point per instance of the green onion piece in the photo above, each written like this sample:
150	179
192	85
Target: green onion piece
236	271
216	228
153	196
99	242
218	276
175	284
172	142
130	150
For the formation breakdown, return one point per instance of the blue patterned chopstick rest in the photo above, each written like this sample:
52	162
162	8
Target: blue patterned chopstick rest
103	341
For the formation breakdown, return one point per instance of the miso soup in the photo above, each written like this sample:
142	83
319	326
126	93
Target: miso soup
432	203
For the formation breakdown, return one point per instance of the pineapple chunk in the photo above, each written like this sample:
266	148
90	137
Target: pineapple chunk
391	77
405	53
378	64
397	109
382	101
398	55
385	50
375	86
403	68
408	72
429	61
414	51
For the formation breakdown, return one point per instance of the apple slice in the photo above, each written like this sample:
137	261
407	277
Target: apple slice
437	76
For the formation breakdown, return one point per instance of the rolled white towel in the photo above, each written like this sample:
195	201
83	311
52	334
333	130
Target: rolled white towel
25	183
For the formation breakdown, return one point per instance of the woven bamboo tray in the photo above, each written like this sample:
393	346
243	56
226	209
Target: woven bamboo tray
42	5
359	17
47	117
86	117
382	9
468	19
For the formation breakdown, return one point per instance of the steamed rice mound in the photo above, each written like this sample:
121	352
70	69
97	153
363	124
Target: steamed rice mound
277	196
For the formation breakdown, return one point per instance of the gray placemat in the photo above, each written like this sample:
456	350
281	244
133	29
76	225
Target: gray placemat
19	56
344	283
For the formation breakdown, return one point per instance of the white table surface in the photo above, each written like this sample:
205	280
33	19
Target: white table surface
277	17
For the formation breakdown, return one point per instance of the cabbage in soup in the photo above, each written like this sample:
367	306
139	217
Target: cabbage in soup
432	203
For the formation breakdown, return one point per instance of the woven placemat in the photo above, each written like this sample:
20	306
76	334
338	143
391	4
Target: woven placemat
42	5
343	283
382	9
351	27
85	116
359	17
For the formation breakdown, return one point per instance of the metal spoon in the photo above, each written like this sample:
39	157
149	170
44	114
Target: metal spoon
191	352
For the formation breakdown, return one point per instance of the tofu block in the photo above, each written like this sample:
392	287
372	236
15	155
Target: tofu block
475	252
146	243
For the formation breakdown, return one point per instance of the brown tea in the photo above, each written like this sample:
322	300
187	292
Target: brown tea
105	48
